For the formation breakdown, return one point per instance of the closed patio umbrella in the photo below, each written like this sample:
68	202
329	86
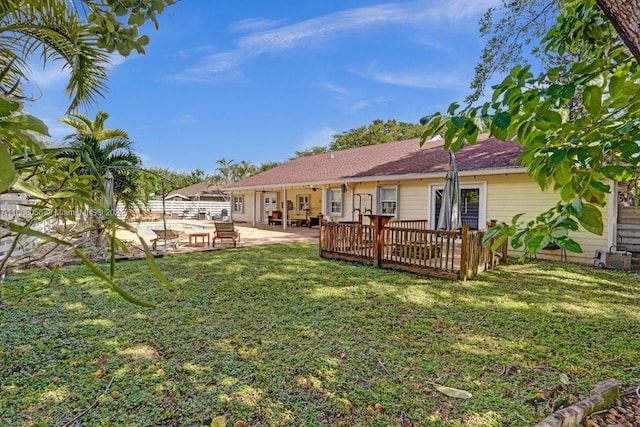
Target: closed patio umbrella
449	217
107	197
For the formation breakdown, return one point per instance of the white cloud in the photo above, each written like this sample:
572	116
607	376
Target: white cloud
117	60
185	119
334	88
324	28
58	130
436	45
364	103
54	75
214	68
51	76
186	53
317	138
422	78
253	24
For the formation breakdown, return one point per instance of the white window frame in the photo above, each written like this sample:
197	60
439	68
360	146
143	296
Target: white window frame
302	202
330	201
482	208
380	201
238	200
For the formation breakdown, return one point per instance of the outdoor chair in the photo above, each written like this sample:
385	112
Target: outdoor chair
275	218
173	237
225	230
314	221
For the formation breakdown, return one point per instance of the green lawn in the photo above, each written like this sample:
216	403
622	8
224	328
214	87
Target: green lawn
274	335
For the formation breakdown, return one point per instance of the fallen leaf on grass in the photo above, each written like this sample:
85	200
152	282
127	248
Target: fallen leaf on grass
220	421
453	392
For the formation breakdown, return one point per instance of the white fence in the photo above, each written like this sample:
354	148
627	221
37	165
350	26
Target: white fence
12	207
192	209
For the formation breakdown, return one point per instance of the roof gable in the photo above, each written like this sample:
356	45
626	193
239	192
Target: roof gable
198	189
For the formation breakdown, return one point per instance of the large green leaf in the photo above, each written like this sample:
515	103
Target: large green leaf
591	219
576	207
537	243
562	175
592	99
7	107
615	84
569	245
25	122
618	173
7	169
502	120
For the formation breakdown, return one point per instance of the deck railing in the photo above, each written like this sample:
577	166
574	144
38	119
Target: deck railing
436	253
478	258
420	224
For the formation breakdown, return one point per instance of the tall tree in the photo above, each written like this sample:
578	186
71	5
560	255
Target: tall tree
378	132
625	17
513	31
578	123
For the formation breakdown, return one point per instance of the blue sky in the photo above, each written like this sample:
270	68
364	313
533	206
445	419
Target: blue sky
256	80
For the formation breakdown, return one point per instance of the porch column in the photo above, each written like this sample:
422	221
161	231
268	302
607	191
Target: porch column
285	210
254	210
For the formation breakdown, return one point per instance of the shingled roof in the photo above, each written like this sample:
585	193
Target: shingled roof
397	159
203	188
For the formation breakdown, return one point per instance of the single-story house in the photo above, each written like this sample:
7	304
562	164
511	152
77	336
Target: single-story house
203	200
406	180
202	191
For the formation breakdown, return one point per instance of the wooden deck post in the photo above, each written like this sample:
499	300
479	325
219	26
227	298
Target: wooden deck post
378	222
321	238
464	255
492	254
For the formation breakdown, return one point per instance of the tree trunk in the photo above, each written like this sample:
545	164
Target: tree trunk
625	17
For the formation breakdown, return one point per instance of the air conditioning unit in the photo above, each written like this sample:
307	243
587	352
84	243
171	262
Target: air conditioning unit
618	258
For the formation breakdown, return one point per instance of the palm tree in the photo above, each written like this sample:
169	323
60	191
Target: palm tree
95	127
106	150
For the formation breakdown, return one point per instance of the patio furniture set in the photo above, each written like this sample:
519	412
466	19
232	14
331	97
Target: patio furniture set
173	237
276	219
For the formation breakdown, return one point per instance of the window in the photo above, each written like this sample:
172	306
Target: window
388	200
335	201
238	204
302	202
472	204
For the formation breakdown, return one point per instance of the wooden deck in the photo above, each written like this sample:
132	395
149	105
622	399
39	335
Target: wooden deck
395	245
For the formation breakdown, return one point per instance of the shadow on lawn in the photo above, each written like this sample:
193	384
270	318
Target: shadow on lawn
278	336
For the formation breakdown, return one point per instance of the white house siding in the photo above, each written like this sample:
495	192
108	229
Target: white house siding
508	195
247	214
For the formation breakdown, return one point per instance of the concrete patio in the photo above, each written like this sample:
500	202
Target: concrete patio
249	236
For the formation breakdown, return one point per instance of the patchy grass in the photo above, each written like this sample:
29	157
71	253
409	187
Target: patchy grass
274	335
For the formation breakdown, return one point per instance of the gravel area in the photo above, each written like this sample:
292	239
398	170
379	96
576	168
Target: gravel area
625	413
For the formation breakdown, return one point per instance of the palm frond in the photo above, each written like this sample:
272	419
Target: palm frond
52	28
